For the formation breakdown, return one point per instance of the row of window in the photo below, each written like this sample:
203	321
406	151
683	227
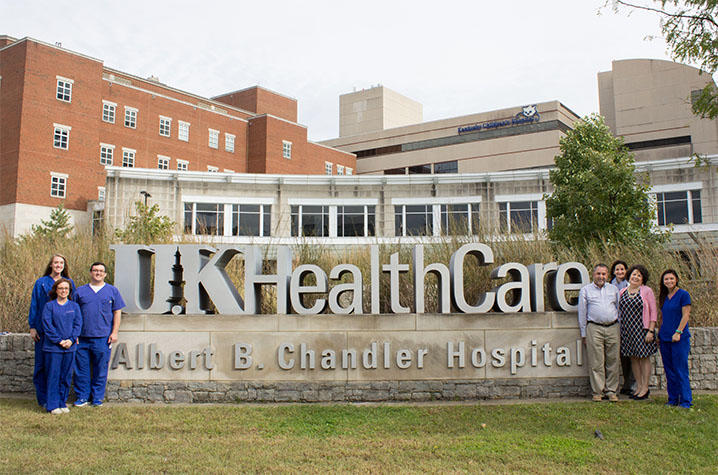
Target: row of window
319	220
107	152
341	169
58	186
441	167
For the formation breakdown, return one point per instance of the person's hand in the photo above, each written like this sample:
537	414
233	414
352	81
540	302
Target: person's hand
649	337
112	339
676	337
34	335
66	344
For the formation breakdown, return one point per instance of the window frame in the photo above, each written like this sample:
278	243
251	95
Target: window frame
109	112
165	126
58	185
689	189
183	130
63	132
107	150
328	168
227	205
63	93
286	149
131	116
163	159
182	165
129	155
213	138
229	142
333	215
436	222
541	222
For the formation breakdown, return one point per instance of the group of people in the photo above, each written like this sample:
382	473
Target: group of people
618	319
73	330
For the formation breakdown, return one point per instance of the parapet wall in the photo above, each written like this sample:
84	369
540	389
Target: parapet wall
291	358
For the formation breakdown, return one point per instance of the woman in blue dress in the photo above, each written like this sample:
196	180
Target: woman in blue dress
56	269
675	304
62	323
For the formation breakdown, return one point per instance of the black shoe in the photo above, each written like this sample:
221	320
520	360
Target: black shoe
626	391
645	396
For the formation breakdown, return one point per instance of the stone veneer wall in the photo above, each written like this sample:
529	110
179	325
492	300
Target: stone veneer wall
16	364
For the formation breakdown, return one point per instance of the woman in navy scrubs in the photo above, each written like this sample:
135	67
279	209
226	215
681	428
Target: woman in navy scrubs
675	339
56	269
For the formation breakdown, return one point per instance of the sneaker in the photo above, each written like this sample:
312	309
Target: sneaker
56	411
64	410
97	404
81	403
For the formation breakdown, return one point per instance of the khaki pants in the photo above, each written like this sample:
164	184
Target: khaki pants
603	346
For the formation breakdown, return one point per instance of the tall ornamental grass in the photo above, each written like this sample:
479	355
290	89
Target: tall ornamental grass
23	260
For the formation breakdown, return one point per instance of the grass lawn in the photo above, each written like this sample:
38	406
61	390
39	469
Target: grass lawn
541	437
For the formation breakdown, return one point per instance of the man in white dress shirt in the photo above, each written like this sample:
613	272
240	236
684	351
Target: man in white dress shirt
598	322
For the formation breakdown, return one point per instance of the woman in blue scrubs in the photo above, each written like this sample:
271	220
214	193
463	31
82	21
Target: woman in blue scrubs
62	322
56	268
675	304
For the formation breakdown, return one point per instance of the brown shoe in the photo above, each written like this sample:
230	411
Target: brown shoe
613	398
597	398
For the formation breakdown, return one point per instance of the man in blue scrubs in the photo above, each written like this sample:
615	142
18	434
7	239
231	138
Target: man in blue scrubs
101	305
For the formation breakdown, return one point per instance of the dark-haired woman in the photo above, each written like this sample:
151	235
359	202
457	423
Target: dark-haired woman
56	269
62	322
618	278
638	315
675	339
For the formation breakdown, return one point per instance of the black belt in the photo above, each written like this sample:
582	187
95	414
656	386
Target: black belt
604	324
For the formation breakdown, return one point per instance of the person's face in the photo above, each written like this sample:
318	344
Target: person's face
97	273
63	290
57	265
599	276
636	277
620	272
670	281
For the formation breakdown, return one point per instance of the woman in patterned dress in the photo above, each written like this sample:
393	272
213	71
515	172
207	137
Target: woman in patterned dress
638	315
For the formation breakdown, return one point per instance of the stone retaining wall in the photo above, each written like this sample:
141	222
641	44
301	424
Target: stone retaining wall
16	363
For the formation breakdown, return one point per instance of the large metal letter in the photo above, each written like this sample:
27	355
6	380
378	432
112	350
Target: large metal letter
297	288
254	279
442	274
538	273
394	268
520	283
355	287
485	256
578	277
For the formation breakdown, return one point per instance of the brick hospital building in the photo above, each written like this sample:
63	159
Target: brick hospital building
65	116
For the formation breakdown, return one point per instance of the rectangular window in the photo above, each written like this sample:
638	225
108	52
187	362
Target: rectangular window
163	163
679	207
446	167
420	170
350	171
229	143
209	219
310	220
455	219
340	169
58	185
130	117
287	150
182	165
212	169
107	153
251	220
395	171
100	193
213	138
328	168
128	157
108	111
518	216
183	131
413	220
64	89
165	126
61	137
353	221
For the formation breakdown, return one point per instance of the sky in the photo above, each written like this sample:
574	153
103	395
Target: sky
455	57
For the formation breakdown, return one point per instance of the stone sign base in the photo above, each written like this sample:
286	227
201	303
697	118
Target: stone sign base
459	390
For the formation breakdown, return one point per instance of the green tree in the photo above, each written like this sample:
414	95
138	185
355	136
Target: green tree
57	227
146	226
596	197
691	32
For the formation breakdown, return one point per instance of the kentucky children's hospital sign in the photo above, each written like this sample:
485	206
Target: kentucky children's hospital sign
520	328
